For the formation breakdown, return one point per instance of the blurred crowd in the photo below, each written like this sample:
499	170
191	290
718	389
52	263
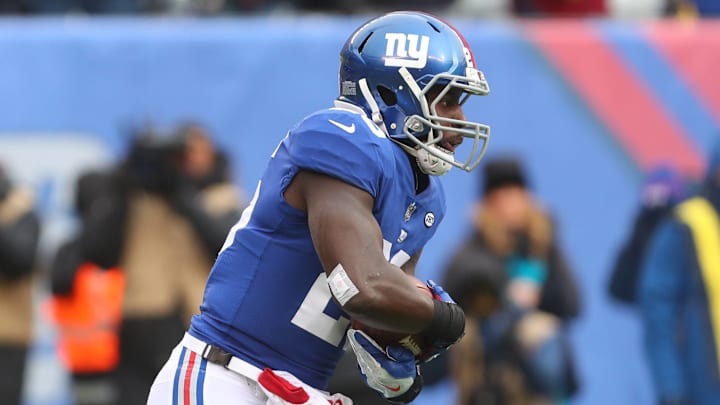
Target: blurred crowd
667	270
123	286
519	293
478	8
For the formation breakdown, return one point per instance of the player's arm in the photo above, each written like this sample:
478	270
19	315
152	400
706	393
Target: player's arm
348	240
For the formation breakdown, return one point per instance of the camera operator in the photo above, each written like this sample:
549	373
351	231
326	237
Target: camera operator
19	235
191	176
160	217
182	203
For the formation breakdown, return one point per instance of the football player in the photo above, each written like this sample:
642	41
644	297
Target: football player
348	200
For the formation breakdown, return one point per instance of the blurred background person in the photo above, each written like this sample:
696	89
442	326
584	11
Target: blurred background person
19	236
513	281
181	205
86	298
155	223
662	189
679	297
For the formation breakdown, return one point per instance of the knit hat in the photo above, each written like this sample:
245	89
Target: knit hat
663	186
503	172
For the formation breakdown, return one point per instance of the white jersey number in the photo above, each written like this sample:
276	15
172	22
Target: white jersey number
311	318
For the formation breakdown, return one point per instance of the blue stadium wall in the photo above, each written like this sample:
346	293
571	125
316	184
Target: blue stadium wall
588	105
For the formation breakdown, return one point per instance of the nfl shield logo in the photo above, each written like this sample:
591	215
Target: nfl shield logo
429	219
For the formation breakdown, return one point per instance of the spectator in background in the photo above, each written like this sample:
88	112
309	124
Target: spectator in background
86	299
19	235
679	297
513	282
662	190
160	217
182	204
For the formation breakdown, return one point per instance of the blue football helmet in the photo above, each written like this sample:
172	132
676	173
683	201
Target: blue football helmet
389	65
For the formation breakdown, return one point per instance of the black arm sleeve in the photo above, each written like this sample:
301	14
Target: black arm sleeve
18	245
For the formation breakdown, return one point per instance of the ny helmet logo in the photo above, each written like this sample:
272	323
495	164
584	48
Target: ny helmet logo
406	50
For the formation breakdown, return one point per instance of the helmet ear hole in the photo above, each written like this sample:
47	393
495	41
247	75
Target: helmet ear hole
387	95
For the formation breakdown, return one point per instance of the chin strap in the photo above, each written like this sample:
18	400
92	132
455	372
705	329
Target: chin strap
432	164
426	161
375	110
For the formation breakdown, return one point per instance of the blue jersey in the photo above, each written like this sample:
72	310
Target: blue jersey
267	300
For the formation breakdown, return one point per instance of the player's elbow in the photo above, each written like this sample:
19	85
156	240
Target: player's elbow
358	293
380	299
366	302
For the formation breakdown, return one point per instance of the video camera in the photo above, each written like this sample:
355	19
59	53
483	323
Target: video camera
154	160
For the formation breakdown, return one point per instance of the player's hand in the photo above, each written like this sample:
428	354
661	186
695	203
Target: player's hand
448	326
391	372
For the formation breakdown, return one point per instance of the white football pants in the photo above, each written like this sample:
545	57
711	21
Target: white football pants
189	379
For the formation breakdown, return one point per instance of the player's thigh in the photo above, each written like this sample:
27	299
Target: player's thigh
188	380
